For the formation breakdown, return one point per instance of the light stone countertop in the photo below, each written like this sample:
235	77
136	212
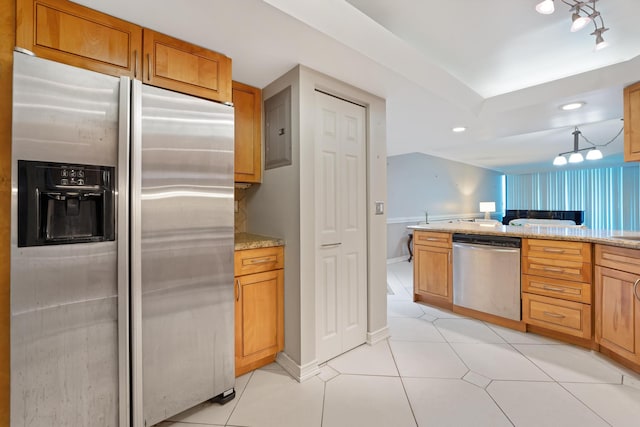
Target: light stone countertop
255	241
605	237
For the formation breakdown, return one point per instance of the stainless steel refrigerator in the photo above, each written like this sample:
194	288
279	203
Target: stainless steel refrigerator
121	249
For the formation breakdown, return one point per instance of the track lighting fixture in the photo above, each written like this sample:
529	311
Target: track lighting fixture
582	12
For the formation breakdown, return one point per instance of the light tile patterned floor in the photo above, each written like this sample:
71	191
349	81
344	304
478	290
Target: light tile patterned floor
437	369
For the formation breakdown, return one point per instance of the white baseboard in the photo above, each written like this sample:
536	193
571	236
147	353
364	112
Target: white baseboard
298	372
377	336
397	259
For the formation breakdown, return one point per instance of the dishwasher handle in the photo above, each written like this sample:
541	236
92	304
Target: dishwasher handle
477	247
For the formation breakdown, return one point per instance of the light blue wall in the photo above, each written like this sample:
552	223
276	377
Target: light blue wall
417	182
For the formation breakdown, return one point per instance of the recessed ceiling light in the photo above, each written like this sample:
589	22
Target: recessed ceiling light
459	129
572	106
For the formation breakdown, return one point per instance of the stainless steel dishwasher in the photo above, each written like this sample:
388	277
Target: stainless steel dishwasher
486	274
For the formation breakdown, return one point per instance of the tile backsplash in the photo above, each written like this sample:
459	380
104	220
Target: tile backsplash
240	220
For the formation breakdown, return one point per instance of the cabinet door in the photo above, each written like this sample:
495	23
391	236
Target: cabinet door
72	34
432	272
259	317
618	312
247	103
177	65
632	123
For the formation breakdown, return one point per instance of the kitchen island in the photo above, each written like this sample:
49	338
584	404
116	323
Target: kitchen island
623	239
577	285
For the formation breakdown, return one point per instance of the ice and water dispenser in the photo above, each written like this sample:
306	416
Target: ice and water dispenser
62	203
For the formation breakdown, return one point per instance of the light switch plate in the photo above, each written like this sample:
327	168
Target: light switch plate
379	208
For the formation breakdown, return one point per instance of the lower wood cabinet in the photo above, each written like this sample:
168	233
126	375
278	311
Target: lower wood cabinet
617	300
259	307
432	271
557	287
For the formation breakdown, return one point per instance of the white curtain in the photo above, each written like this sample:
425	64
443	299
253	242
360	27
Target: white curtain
609	197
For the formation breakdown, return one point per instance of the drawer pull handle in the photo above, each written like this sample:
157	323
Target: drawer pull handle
554	269
239	287
432	239
551	288
553	250
149	66
135	63
330	245
635	289
261	260
556	315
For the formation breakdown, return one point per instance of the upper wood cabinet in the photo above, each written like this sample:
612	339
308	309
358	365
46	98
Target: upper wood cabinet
177	65
76	35
632	122
247	102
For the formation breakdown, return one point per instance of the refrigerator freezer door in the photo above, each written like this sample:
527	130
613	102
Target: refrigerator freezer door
64	298
184	221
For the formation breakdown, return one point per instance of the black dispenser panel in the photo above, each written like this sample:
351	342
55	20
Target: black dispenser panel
60	203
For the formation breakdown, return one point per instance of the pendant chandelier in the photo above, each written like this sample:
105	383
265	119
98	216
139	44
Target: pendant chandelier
582	13
575	156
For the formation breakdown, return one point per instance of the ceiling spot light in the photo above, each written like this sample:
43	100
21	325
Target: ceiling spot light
545	7
572	106
459	129
578	22
600	43
582	13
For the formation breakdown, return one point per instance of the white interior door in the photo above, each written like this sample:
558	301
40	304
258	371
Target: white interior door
341	257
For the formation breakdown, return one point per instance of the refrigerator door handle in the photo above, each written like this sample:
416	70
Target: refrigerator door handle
136	254
122	232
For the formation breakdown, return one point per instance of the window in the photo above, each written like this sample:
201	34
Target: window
609	197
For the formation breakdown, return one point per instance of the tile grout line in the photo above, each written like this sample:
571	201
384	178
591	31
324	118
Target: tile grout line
239	397
583	403
324	399
406	395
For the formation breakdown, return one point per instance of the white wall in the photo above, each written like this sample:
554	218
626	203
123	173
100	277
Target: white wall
448	190
273	208
284	206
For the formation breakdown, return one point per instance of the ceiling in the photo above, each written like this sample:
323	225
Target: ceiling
495	66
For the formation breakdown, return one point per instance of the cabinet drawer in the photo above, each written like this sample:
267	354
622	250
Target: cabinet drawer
573	291
257	260
622	259
432	238
557	269
568	317
557	250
